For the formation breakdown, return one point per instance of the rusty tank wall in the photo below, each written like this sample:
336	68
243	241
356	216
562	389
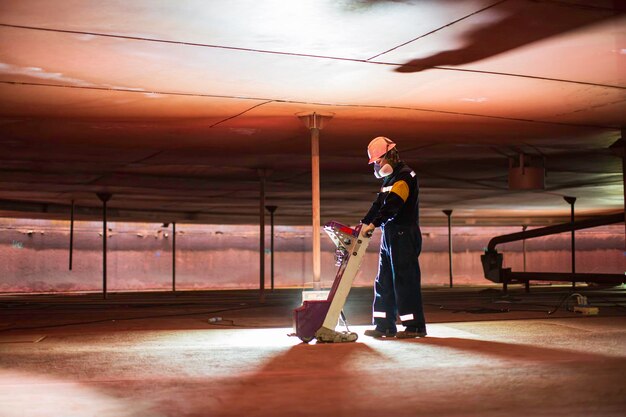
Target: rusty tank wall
34	256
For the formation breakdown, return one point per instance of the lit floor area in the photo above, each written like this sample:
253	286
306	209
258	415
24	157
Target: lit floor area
158	355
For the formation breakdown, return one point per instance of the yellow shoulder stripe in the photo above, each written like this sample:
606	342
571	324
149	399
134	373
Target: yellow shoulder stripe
401	189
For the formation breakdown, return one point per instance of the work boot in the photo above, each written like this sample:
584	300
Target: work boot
379	334
325	335
410	333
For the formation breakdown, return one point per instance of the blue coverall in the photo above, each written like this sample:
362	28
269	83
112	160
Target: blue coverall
398	284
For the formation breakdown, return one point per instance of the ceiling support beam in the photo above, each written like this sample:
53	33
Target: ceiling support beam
527	285
314	122
174	257
71	233
104	197
571	201
271	209
262	176
619	149
448	213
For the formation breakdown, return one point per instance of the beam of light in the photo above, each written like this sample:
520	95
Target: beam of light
35	395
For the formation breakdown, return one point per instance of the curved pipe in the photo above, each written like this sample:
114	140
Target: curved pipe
557	228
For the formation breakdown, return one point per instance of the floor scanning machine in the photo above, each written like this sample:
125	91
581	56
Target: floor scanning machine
319	318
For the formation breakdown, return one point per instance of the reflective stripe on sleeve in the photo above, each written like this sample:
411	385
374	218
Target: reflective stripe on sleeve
407	317
401	188
380	314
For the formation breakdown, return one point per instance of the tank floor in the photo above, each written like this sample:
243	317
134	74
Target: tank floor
156	354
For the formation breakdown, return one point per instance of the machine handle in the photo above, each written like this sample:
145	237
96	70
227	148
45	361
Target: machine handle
368	234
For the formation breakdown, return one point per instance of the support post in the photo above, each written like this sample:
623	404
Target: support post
571	201
449	214
623	154
104	197
619	149
315	181
271	209
71	234
262	174
174	257
624	179
524	227
314	122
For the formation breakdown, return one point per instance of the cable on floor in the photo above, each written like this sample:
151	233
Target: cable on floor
134	318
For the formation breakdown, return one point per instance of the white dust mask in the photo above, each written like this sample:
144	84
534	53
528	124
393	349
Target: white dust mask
384	171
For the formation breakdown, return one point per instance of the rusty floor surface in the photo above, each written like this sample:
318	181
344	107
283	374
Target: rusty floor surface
158	355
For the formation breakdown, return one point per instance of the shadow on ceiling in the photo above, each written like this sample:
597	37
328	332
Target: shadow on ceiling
523	22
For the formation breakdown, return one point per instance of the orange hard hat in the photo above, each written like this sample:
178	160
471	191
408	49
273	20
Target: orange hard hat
378	147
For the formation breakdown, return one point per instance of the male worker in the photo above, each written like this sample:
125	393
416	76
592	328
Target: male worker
396	211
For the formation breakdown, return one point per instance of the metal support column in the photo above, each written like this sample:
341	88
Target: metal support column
623	154
174	256
71	234
262	174
571	201
624	179
619	149
104	197
315	182
271	209
449	214
314	122
524	227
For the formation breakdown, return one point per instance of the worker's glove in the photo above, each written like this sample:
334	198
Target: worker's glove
368	230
